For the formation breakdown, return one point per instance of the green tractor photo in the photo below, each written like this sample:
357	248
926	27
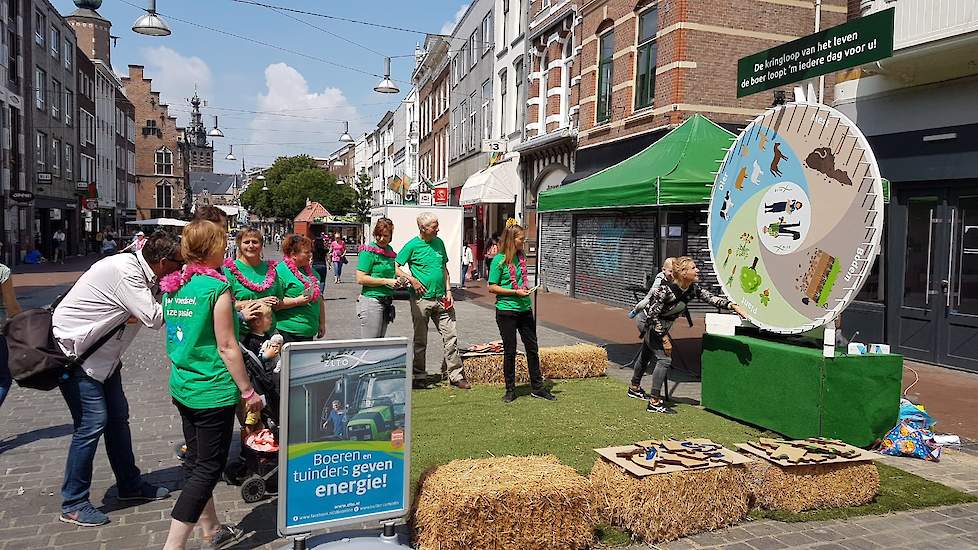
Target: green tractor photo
378	407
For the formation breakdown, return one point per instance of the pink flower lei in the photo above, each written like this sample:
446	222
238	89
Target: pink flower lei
174	281
378	250
307	283
512	273
260	287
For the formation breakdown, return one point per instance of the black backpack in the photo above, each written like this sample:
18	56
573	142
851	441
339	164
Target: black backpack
35	359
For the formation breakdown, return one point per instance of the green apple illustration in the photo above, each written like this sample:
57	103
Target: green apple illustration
749	279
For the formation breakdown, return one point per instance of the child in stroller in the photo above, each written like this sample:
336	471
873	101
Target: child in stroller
257	469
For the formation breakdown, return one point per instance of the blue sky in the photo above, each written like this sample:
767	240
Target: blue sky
236	75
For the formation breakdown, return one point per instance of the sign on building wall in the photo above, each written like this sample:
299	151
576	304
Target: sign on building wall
345	433
441	196
857	42
796	217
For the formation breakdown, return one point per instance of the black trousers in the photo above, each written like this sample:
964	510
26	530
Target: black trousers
293	337
208	436
509	323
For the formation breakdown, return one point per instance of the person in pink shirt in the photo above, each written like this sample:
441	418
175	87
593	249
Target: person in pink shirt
337	250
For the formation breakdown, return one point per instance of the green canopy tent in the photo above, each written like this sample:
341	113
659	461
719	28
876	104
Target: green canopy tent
676	169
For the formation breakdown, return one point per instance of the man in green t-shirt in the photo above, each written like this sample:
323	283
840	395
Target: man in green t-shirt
426	257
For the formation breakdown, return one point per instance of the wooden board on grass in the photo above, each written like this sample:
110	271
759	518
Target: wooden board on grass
862	456
611	455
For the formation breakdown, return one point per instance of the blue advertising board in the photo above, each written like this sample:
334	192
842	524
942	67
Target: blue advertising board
344	440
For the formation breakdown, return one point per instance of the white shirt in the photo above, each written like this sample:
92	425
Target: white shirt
466	255
59	236
105	296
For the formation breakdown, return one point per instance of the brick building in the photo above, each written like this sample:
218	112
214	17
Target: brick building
637	70
162	173
87	153
125	154
431	78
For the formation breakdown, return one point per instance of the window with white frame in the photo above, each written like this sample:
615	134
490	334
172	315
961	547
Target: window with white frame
40	27
606	52
463	117
56	156
475	52
55	42
69	106
518	85
473	130
487	33
69	162
87	127
40	88
164	162
86	171
648	23
41	149
505	23
56	99
503	105
487	109
69	54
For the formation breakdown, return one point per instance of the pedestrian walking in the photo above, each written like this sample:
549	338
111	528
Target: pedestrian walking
321	258
278	241
492	248
301	315
514	312
59	246
338	253
377	274
8	308
207	380
466	262
668	303
117	294
138	241
426	257
109	246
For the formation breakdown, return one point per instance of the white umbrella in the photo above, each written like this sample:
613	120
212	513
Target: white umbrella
160	221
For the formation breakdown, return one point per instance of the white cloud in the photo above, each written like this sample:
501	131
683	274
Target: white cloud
175	75
296	120
449	26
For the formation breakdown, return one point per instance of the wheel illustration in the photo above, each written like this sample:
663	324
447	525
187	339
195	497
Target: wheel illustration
253	489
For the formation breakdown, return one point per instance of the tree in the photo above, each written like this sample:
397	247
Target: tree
363	200
292	180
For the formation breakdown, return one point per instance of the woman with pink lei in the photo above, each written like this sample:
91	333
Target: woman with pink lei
253	280
207	380
301	314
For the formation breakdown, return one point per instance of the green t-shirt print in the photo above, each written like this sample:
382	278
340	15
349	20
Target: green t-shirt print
427	261
302	320
198	377
379	266
257	276
499	275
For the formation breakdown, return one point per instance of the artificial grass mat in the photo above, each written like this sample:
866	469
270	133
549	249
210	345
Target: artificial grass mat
448	423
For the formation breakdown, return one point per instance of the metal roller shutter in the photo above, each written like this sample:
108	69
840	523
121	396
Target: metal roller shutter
612	252
555	251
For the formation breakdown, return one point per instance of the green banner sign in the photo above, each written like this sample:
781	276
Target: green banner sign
859	41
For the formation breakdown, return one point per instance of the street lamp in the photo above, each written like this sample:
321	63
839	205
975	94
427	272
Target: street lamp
387	86
151	24
231	154
215	131
261	178
346	137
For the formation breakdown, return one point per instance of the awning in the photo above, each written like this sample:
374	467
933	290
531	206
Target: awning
498	183
676	169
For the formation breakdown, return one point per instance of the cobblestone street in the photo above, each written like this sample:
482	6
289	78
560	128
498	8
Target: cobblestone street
35	430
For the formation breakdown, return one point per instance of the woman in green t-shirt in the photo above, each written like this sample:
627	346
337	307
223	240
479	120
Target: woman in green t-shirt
301	315
207	378
514	312
377	274
252	279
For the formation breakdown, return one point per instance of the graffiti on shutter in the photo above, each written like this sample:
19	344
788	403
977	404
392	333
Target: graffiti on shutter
555	251
613	252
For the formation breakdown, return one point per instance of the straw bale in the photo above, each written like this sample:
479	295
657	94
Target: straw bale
799	488
577	361
504	503
664	507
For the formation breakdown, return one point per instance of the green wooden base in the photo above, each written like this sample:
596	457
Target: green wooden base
796	392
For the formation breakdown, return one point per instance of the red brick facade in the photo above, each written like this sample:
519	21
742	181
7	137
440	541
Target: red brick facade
155	130
698	44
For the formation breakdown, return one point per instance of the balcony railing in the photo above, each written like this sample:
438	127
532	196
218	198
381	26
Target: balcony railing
918	22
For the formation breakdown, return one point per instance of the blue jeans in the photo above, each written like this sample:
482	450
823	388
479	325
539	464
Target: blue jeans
338	268
465	269
97	408
5	379
321	270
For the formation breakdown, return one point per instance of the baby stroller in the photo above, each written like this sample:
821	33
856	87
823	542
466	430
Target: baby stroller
256	471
